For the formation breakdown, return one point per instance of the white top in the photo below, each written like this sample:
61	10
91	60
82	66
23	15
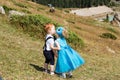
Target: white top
49	42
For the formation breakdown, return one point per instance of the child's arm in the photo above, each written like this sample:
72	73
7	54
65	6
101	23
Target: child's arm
56	44
57	47
55	53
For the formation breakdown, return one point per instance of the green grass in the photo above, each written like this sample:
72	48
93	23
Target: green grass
111	29
21	58
19	4
26	11
17	52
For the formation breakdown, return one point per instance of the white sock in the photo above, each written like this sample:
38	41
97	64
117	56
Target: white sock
64	75
51	73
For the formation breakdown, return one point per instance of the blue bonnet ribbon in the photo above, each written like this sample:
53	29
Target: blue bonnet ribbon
59	31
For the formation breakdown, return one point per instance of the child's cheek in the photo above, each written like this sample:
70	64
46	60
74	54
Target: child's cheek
53	31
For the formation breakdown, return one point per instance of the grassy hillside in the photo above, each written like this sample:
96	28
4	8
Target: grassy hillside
21	55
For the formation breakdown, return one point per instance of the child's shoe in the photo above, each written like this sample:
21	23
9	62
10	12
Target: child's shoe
63	75
69	75
52	73
46	71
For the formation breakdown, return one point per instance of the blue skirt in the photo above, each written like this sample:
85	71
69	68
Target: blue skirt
68	60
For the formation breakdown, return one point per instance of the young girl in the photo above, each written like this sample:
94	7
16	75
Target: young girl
68	59
49	47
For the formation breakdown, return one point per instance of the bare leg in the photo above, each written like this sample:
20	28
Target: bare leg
51	69
46	67
118	23
70	74
64	75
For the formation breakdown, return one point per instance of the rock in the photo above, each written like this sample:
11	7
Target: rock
13	12
2	11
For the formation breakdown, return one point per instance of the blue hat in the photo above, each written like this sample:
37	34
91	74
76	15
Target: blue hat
59	31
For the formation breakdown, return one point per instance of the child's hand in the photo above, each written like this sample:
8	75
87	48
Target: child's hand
55	53
57	47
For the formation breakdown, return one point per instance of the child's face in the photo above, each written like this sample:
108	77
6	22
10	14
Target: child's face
52	30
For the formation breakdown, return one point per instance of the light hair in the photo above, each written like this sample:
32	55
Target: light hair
65	33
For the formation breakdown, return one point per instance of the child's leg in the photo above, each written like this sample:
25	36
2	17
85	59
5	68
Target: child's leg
52	63
46	67
64	75
46	60
70	74
52	69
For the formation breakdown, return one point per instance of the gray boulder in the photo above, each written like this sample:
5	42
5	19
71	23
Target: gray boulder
13	12
2	11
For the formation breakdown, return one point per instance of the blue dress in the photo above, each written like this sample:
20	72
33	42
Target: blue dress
68	59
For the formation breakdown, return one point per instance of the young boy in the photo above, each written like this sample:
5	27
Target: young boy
49	47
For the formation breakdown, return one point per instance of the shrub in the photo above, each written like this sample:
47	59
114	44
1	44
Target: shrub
75	40
114	3
32	24
28	20
7	9
108	36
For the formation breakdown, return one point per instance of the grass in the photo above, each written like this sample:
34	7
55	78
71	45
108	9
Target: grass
112	30
17	52
21	5
26	11
21	59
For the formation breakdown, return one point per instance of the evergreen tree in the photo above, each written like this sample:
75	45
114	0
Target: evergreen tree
74	3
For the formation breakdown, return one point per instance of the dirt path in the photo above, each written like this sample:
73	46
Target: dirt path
92	11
